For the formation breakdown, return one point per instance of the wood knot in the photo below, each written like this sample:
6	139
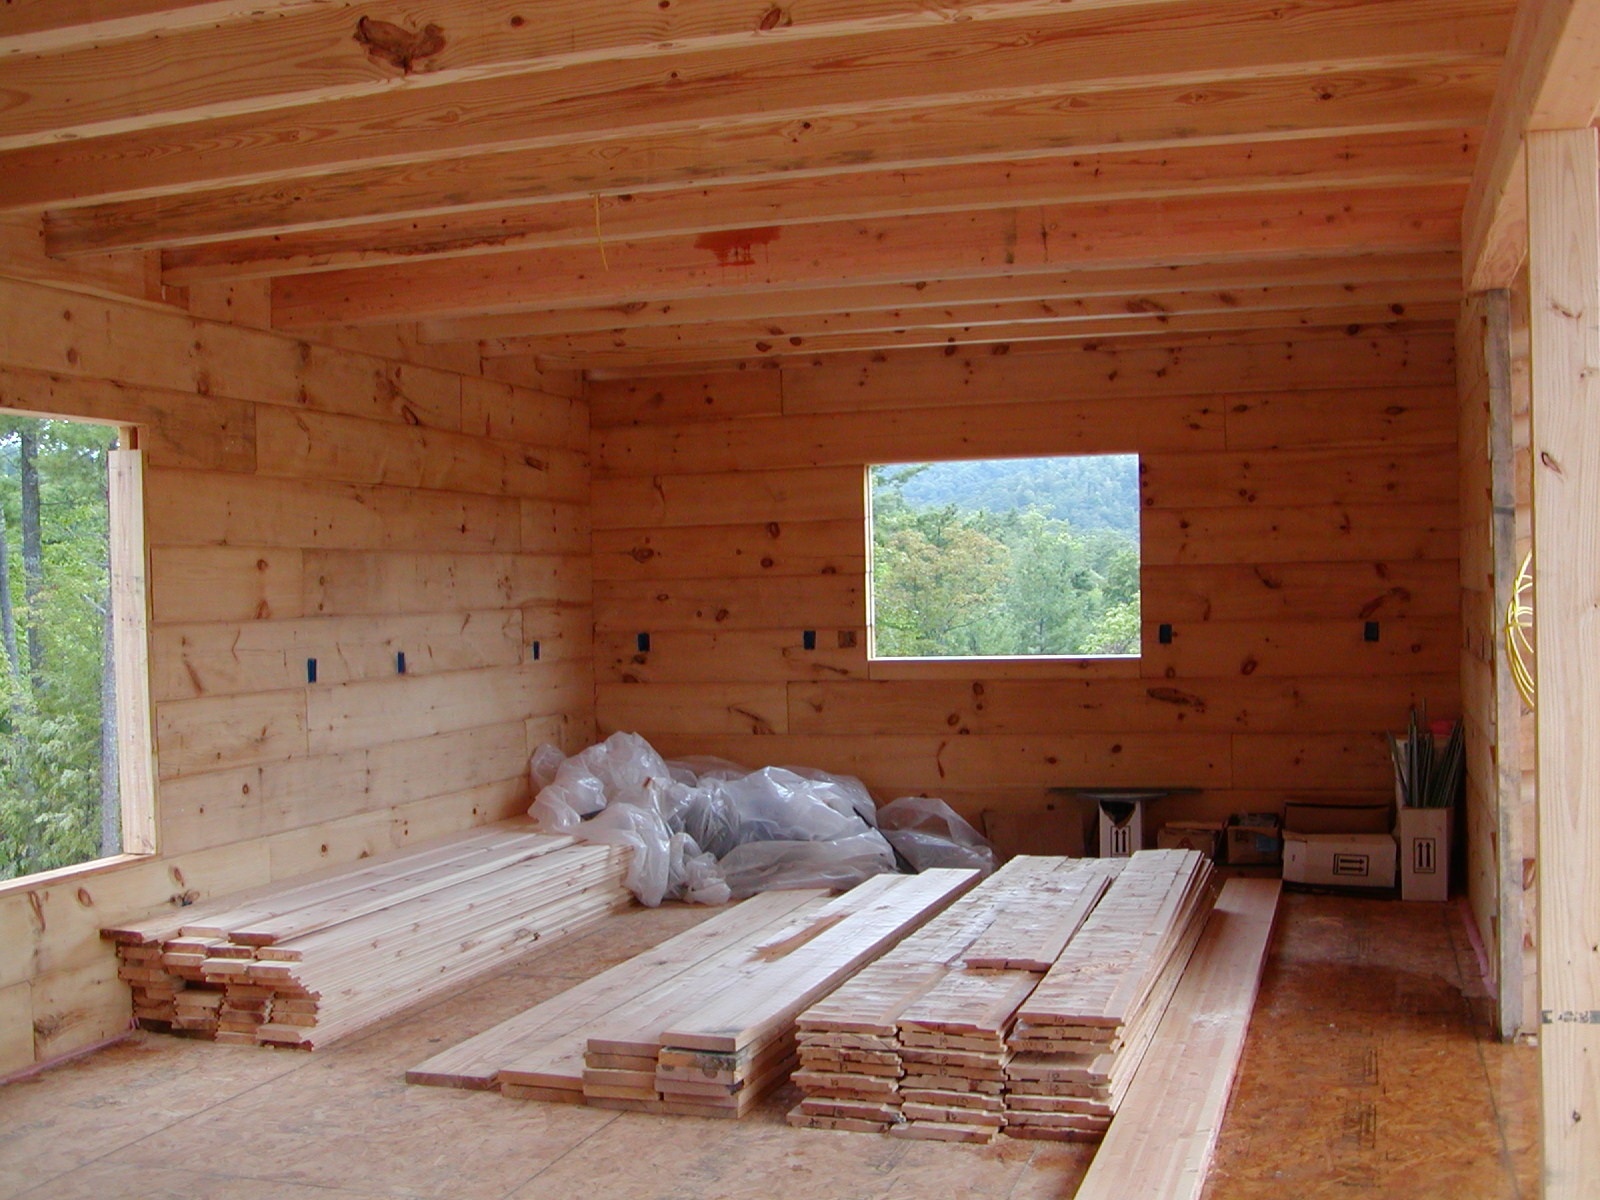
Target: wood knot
401	48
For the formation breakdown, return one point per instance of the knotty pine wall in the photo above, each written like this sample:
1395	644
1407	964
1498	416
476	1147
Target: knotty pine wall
305	501
1292	491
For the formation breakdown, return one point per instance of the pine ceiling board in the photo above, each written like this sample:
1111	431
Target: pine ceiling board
47	26
1067	317
1361	161
703	343
1197	44
512	333
1275	108
253	55
999	242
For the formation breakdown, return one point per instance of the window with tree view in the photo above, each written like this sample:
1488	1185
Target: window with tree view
1006	557
59	786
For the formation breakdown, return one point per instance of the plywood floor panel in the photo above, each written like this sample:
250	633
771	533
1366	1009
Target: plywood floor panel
1410	1102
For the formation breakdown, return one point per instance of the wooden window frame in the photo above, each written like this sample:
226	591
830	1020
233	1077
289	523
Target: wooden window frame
130	621
986	666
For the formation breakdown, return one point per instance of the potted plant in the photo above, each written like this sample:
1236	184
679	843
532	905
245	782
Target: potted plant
1427	774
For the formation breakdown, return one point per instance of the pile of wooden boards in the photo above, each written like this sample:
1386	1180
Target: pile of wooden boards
1082	1033
939	1038
1161	1143
304	963
704	1023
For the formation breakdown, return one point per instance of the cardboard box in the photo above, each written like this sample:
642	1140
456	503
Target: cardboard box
1424	835
1253	839
1204	836
1316	816
1121	827
1340	859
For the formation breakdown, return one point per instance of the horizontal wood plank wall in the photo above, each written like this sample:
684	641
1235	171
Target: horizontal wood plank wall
1292	492
344	503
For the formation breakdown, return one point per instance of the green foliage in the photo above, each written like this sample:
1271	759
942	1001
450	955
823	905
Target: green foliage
50	786
953	579
1094	491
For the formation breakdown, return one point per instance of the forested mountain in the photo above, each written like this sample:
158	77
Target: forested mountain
1096	491
976	559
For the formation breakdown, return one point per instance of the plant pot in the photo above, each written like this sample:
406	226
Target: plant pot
1424	835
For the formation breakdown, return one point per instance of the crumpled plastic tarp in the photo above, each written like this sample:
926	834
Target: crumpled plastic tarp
927	832
705	829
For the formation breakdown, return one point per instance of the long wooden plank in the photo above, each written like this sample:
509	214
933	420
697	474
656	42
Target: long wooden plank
952	64
224	57
476	1062
1356	162
751	1014
904	249
1564	272
334	879
619	402
635	1028
1510	843
1035	921
1161	1143
1110	965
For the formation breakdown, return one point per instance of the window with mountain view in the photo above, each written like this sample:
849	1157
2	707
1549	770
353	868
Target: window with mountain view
1006	558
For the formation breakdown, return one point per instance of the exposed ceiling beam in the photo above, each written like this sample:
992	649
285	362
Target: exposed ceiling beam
1359	162
204	61
1136	119
1006	320
1433	339
1551	80
1287	323
998	242
1197	51
1358	274
46	26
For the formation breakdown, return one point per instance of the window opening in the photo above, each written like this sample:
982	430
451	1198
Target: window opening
1035	557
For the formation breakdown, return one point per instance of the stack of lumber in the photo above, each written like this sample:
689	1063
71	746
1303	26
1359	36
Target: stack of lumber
703	1024
1082	1033
305	963
1160	1145
916	1042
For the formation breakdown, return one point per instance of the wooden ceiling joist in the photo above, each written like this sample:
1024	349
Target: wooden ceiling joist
1355	162
594	353
1310	55
572	181
987	243
1139	287
1011	320
212	58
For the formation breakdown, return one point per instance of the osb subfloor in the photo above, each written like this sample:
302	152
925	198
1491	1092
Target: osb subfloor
1370	1072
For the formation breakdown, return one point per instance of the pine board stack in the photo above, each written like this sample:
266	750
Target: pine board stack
306	963
702	1024
544	1047
720	1051
1081	1035
915	1043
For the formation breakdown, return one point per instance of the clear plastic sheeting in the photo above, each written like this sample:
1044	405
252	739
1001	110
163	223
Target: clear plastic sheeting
705	829
840	862
927	832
